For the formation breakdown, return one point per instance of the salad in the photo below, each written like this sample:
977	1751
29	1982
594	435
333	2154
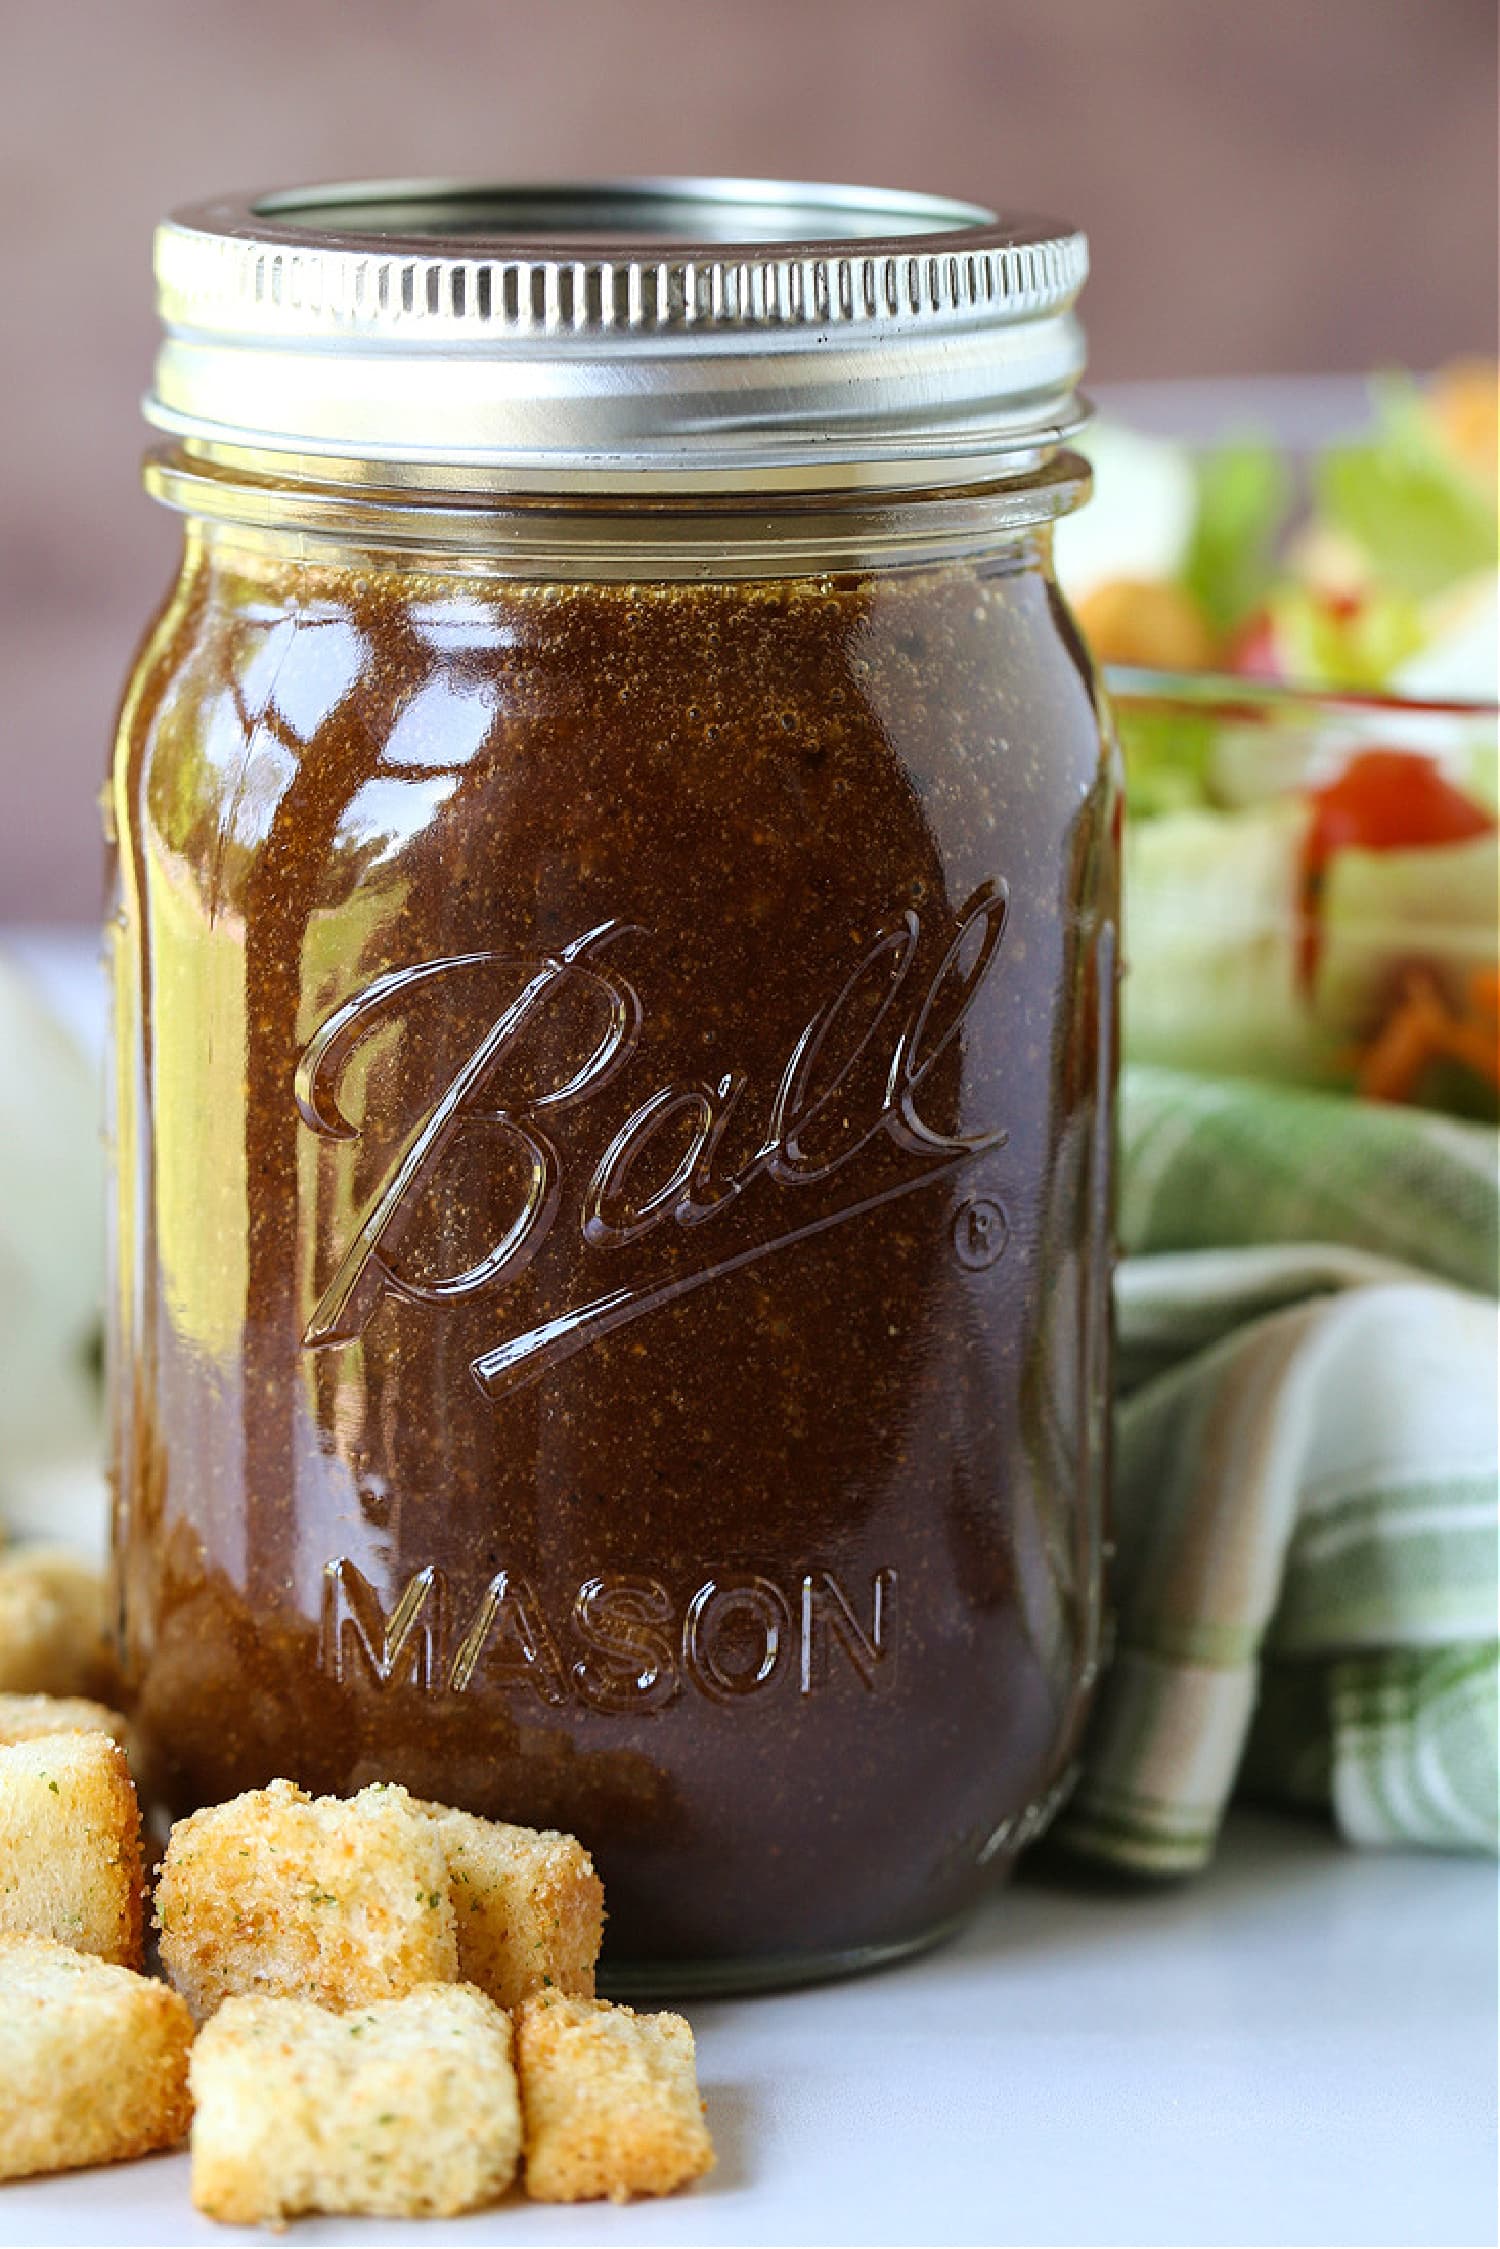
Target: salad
1303	662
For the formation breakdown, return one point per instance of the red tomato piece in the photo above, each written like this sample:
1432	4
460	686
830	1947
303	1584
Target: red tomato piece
1390	800
1383	800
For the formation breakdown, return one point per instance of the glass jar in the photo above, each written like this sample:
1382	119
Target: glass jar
615	964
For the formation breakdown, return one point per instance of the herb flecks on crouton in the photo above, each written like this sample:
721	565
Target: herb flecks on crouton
282	1894
609	2100
70	1845
529	1907
405	2109
100	2055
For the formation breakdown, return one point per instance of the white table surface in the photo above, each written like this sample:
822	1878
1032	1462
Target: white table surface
1300	2048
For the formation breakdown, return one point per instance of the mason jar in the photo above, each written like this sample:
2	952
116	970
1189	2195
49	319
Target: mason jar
614	960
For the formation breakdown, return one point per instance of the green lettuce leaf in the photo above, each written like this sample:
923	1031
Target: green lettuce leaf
1212	944
1421	523
1244	497
1167	752
1321	645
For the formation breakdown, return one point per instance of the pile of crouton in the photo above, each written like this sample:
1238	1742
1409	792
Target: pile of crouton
371	2005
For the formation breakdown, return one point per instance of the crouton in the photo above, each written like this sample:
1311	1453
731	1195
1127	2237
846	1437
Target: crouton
406	2109
609	2101
528	1906
280	1893
93	2060
23	1717
70	1845
51	1623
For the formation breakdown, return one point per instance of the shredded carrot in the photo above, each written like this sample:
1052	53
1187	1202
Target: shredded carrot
1484	991
1422	1029
1474	1044
1402	1048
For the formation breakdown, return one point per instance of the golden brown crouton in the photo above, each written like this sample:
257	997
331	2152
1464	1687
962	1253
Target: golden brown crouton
528	1905
1149	621
51	1623
93	2060
70	1845
279	1893
407	2109
609	2100
23	1717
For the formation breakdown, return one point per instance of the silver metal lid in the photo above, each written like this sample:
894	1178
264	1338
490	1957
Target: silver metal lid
710	333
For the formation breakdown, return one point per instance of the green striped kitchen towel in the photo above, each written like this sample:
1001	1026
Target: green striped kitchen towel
1306	1475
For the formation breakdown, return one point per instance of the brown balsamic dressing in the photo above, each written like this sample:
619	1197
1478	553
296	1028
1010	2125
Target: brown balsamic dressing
614	1334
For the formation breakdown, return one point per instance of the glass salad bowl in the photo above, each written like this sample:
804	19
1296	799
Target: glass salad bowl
1313	886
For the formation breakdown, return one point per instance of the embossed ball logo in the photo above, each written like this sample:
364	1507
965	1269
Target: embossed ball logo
887	1028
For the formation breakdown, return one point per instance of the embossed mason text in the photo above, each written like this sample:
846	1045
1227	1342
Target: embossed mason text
619	1644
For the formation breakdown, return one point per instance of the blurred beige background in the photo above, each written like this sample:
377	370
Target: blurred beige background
1287	186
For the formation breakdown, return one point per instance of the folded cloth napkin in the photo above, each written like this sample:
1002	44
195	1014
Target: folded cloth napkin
1305	1503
